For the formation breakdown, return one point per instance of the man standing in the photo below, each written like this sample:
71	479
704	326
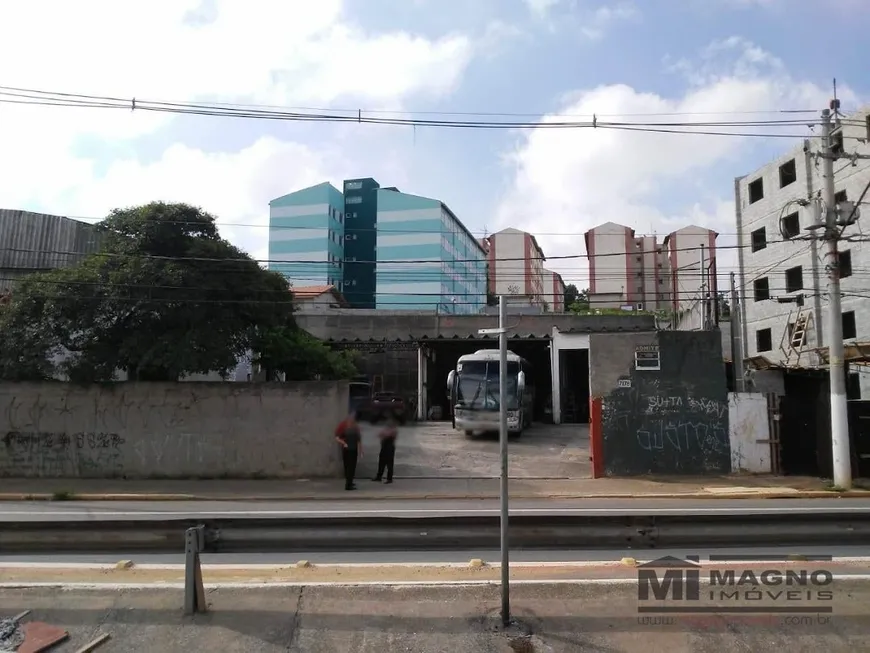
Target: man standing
387	457
348	435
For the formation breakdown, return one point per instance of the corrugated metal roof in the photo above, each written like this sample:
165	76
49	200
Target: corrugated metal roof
347	326
37	241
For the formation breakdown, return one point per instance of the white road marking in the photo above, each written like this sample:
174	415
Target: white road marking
447	512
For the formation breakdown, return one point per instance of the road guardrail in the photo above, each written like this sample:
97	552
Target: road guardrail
359	534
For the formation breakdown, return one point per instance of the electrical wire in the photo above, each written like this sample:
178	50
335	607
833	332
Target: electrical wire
17	95
274	261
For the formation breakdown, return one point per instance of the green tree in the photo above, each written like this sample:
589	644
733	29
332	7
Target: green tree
300	356
166	296
571	294
581	302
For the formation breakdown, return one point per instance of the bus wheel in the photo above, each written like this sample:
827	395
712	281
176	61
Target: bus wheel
468	433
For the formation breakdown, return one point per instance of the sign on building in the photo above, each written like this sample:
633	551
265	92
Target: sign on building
647	357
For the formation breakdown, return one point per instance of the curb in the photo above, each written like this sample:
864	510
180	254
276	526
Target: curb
773	494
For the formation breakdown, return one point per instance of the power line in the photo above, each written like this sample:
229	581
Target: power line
273	261
16	95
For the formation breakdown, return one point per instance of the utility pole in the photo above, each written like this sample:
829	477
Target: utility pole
703	292
839	416
503	452
737	352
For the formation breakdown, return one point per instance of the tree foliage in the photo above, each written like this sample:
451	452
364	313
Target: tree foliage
300	356
166	296
580	303
571	294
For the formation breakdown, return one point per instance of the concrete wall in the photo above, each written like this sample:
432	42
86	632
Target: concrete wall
673	420
170	430
749	430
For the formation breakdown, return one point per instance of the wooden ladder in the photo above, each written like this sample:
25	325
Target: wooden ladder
799	332
794	343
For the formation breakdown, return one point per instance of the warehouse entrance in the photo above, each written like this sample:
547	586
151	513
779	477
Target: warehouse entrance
442	355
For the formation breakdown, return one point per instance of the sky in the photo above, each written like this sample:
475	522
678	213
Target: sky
549	60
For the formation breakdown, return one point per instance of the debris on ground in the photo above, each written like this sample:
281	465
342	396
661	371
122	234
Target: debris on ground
91	646
11	635
40	636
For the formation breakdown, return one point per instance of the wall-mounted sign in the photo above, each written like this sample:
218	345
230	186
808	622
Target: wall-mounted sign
623	383
647	357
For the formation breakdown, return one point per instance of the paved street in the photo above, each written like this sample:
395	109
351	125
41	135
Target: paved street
435	449
573	618
114	510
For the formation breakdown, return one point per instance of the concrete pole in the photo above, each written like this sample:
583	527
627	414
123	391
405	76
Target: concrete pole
703	291
839	415
737	352
503	451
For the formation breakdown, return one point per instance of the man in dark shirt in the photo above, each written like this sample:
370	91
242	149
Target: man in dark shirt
348	435
387	457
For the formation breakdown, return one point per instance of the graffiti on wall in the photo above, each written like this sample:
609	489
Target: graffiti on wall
671	418
649	431
38	453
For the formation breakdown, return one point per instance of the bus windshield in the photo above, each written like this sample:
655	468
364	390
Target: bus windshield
478	385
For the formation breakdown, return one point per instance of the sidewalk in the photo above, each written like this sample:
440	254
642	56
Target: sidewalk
719	487
567	618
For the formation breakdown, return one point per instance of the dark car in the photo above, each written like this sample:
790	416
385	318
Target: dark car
386	404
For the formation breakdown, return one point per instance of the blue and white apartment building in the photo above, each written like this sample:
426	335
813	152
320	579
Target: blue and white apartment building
384	250
306	236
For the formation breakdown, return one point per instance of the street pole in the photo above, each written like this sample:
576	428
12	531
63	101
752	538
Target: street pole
503	451
736	338
703	292
839	415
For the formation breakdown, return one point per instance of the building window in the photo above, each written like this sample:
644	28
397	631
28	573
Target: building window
353	199
840	197
787	173
845	263
850	329
756	190
853	386
763	340
762	289
791	226
794	279
352	185
759	239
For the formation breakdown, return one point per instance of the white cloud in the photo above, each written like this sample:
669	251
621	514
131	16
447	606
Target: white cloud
299	53
603	18
591	23
541	7
569	181
235	186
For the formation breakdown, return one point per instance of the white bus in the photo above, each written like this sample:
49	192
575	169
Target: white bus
474	394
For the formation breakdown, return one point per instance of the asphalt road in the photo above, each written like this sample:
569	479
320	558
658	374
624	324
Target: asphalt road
119	510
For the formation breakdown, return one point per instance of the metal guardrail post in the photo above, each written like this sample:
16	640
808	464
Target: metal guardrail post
194	590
